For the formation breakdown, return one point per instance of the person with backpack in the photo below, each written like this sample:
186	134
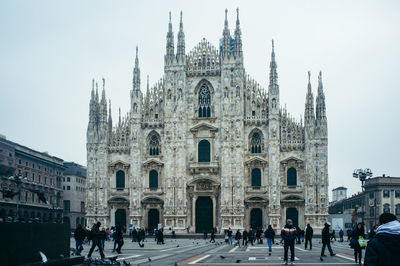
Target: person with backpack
309	235
384	248
79	236
96	236
357	235
269	235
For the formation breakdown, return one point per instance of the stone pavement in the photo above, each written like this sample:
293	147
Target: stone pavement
201	252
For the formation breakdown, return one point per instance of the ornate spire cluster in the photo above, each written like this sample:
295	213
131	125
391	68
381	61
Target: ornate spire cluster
98	112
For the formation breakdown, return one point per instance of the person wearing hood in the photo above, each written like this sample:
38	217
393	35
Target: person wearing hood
355	236
384	248
326	240
269	235
288	235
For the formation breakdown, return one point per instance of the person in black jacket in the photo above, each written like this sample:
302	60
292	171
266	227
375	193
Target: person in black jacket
288	235
384	248
250	236
212	240
245	235
309	235
119	238
134	235
355	235
141	237
79	236
326	240
238	236
96	236
269	235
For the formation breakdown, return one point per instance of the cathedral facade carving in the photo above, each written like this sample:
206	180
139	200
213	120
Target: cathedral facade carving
207	147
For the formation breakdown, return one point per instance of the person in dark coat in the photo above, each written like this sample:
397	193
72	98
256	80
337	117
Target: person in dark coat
250	236
134	235
348	234
95	236
238	236
326	240
288	235
341	234
245	237
309	235
298	234
160	236
141	237
258	235
119	238
269	235
212	240
384	248
355	235
373	232
230	236
79	236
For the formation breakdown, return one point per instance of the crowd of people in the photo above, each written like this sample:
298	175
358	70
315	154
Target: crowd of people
382	246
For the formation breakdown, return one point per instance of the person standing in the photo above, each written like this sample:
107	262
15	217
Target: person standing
134	234
357	233
79	236
258	235
230	236
348	234
269	235
309	235
96	237
298	234
160	236
141	236
383	249
119	238
245	237
212	240
288	235
238	236
341	234
326	240
251	237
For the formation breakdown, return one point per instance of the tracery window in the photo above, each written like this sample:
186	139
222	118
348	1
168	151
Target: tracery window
204	101
256	143
154	145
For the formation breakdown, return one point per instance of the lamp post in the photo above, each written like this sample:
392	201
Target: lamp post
362	175
8	190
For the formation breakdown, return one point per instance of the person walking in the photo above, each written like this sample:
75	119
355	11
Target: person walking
269	235
119	238
309	235
103	237
212	240
238	236
356	235
341	234
288	235
96	237
258	235
79	236
141	237
245	237
383	249
230	236
326	240
333	234
134	234
160	236
251	237
298	234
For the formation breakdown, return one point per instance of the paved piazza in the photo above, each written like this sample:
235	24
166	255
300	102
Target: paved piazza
201	252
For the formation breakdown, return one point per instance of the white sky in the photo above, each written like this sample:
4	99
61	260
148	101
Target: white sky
51	50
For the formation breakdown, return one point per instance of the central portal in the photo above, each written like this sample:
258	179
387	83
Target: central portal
153	219
204	214
256	219
120	218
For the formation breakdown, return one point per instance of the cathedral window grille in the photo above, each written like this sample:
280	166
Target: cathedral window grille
256	178
204	101
204	151
120	180
292	177
154	145
153	179
256	143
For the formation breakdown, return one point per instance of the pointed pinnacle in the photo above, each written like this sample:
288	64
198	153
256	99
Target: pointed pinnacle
181	23
237	17
226	18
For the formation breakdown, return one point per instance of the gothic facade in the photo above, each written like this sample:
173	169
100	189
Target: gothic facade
207	146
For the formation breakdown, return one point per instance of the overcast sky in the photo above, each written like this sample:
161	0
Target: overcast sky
51	50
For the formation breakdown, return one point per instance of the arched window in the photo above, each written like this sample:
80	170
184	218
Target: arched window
386	208
153	179
154	145
204	101
291	177
256	143
256	177
204	151
120	179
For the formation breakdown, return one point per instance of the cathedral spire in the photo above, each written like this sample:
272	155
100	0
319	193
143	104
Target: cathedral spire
170	42
321	109
309	108
226	37
136	73
109	119
180	53
103	92
273	74
238	37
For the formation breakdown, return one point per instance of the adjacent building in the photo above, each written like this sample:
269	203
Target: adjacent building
74	188
30	184
207	146
339	193
381	194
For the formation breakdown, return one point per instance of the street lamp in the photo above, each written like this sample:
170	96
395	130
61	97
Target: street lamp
8	189
362	176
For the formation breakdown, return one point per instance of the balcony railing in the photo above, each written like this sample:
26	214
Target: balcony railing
256	189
